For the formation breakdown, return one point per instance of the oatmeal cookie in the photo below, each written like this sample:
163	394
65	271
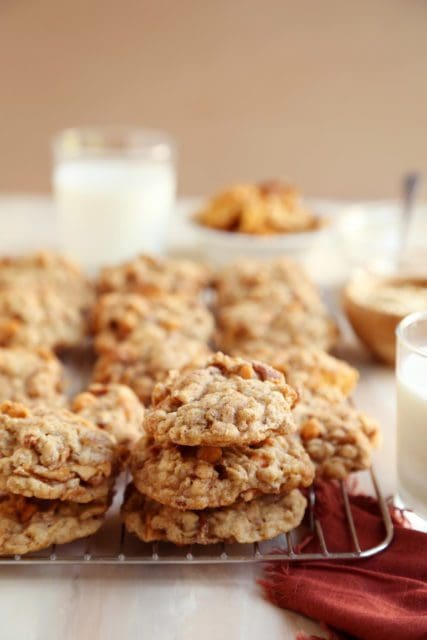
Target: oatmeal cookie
262	518
125	318
48	270
229	401
307	369
54	454
30	376
280	279
272	301
40	316
156	355
338	438
153	276
251	321
31	524
44	267
260	209
114	408
201	477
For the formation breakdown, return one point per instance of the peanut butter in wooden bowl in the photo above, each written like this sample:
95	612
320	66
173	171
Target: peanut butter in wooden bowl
375	304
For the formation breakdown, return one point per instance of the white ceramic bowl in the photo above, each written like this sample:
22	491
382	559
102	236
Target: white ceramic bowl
219	247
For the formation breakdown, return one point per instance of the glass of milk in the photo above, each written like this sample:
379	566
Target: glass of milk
411	373
114	191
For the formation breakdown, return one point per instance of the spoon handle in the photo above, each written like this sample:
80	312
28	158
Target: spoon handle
411	183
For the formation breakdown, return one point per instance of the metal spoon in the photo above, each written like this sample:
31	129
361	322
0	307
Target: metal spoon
410	187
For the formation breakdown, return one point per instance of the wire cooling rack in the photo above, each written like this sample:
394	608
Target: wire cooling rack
112	545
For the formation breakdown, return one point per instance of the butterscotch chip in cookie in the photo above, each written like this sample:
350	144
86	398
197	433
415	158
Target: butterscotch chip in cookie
338	438
184	478
30	376
306	369
54	454
262	518
142	367
228	401
125	318
114	408
31	524
153	276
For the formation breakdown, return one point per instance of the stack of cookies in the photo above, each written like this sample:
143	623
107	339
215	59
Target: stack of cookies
220	461
149	319
337	436
56	469
56	476
271	302
36	378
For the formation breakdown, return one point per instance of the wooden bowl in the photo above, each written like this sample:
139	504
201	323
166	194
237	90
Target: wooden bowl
376	328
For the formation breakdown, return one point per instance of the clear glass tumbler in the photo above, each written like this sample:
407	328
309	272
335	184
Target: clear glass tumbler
114	191
411	377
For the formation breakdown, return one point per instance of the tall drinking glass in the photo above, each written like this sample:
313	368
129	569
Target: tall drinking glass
114	190
411	373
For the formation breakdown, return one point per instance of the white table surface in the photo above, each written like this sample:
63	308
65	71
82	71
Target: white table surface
179	602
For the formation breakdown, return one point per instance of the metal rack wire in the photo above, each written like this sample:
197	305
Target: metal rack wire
114	546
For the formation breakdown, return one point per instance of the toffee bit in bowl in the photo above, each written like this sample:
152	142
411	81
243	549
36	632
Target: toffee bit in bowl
265	209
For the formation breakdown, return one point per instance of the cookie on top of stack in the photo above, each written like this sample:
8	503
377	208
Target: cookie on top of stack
56	476
149	319
270	301
337	436
220	461
57	469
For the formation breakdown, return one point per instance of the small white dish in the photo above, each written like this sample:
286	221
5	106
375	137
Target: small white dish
315	250
219	247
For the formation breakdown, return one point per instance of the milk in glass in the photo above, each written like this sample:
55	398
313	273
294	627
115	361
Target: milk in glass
412	433
112	204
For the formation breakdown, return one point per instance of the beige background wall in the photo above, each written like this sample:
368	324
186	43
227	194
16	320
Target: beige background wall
332	93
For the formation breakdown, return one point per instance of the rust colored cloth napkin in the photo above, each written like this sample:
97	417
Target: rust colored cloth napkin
381	598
